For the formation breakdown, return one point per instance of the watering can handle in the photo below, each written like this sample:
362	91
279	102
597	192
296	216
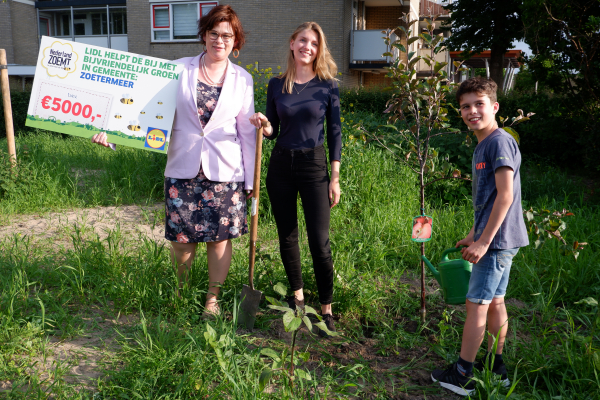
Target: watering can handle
450	251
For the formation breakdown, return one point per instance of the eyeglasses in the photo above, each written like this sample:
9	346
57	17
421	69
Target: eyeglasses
215	36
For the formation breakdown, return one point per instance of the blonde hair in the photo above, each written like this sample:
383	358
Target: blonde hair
324	65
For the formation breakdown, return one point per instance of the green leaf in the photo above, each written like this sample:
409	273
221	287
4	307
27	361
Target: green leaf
439	66
596	359
210	334
307	322
280	308
275	302
303	356
400	47
280	288
288	317
323	327
412	40
293	324
302	374
265	377
426	37
310	310
590	301
411	54
513	133
270	353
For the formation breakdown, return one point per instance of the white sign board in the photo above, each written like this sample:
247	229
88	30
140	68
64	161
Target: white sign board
80	90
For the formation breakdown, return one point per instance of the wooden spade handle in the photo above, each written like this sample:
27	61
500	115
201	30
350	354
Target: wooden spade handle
255	201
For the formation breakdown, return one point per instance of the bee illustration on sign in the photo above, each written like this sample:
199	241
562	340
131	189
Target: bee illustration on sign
67	69
127	99
118	116
160	102
159	116
142	112
134	125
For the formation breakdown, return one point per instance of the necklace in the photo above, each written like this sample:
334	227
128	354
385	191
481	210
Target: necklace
298	92
205	72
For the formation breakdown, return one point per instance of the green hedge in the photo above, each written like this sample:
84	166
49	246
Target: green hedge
20	103
365	99
558	133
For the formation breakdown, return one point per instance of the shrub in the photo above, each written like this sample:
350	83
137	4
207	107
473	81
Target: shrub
20	103
371	99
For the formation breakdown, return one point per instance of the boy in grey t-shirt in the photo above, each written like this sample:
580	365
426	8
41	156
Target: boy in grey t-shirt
497	234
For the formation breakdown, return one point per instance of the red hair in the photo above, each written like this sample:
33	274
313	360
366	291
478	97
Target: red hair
222	14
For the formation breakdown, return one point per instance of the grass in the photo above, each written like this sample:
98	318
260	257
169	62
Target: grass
114	294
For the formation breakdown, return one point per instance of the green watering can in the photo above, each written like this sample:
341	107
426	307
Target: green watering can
453	276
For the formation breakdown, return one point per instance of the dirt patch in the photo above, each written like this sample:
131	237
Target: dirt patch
79	361
57	228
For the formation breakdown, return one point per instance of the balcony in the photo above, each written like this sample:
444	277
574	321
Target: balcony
366	51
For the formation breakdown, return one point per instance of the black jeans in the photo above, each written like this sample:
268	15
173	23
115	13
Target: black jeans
305	172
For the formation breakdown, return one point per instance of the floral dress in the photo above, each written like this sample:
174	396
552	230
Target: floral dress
200	210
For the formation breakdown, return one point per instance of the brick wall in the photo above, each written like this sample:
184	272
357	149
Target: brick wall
383	17
6	40
24	33
376	80
268	25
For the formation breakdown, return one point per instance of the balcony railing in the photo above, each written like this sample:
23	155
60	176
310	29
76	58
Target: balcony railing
369	46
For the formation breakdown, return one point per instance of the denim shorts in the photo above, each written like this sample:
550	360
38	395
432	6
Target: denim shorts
489	277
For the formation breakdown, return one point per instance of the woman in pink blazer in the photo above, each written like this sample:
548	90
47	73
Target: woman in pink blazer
210	160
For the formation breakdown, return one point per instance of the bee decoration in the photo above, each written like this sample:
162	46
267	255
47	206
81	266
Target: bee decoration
127	99
159	116
133	126
142	112
118	116
67	69
160	102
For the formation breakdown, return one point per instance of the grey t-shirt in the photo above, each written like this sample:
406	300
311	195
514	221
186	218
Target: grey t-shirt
499	149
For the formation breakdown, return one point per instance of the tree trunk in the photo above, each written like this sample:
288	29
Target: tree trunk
423	310
497	65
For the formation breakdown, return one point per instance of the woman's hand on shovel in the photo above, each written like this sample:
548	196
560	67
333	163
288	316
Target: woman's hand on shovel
257	120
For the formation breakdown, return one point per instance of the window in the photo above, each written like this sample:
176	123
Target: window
44	26
178	20
118	22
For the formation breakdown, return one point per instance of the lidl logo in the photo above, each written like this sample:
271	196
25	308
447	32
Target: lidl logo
156	139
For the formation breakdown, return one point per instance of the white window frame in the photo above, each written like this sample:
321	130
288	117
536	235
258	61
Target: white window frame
168	4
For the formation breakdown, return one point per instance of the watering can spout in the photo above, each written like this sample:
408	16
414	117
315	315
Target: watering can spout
434	271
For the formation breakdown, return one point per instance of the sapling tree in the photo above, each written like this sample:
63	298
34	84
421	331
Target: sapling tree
418	110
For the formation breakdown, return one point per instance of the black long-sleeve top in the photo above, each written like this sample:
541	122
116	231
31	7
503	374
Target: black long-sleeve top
298	118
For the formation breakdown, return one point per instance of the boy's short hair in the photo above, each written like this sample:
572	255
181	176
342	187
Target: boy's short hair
478	85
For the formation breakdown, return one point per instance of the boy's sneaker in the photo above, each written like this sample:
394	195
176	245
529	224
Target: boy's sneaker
293	302
452	380
328	319
499	370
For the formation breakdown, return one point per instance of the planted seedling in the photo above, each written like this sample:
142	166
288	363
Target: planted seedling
292	322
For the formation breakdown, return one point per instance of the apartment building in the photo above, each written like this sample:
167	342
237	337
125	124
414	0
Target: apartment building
167	29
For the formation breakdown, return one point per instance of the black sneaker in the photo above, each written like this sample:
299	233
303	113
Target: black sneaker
499	370
328	319
293	302
452	380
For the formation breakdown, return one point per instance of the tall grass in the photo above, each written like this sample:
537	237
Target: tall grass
168	352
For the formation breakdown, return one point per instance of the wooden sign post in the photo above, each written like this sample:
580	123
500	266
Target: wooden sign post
8	120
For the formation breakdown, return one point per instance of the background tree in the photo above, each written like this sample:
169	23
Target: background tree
565	39
478	25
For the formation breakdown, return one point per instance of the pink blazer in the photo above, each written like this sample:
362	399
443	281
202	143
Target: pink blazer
226	146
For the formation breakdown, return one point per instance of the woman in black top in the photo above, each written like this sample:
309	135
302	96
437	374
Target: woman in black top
298	103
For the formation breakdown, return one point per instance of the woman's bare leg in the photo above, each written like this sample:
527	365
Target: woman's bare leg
219	261
182	257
